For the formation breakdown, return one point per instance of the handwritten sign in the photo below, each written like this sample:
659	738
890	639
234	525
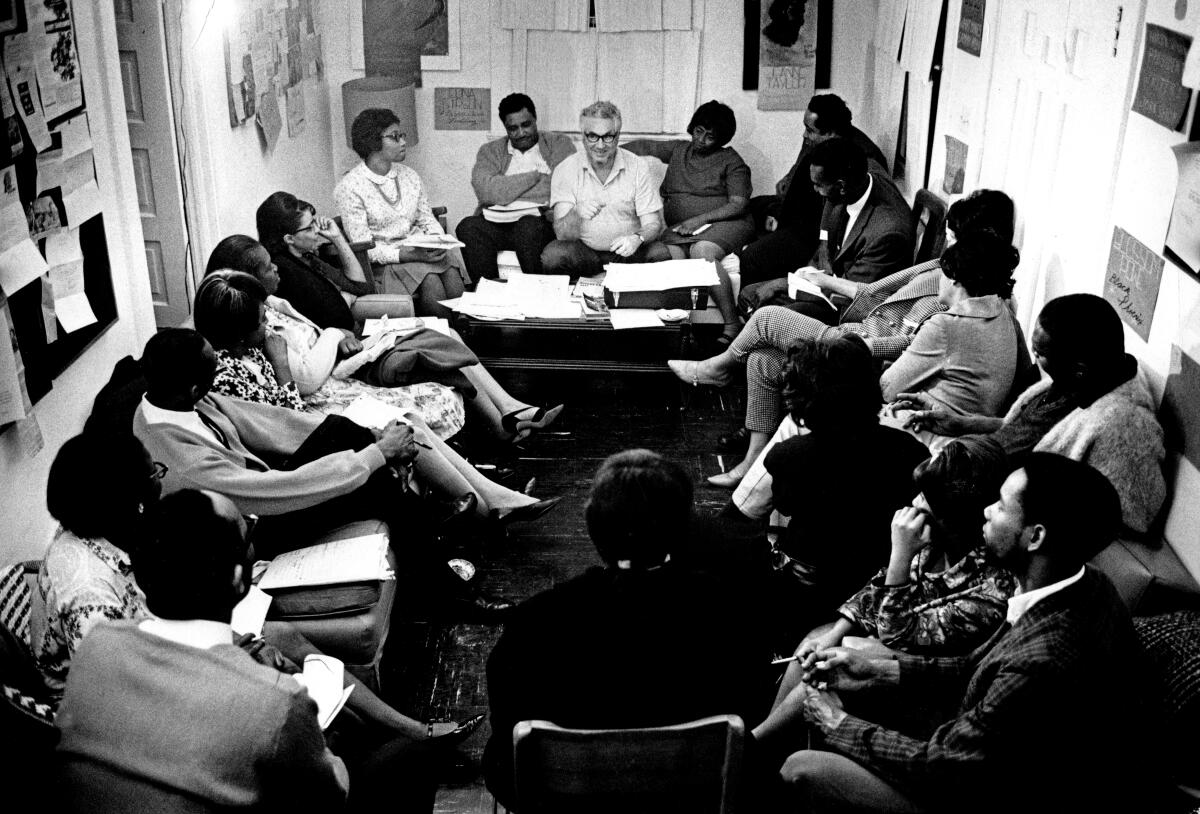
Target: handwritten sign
1161	96
1132	280
970	26
956	166
462	108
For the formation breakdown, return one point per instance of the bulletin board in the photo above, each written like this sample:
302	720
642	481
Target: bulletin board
56	290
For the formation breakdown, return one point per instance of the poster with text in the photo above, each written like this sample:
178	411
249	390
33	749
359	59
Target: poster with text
1132	280
787	55
55	55
1183	230
462	108
1161	95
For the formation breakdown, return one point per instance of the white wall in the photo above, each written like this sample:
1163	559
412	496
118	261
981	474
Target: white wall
25	526
232	169
768	141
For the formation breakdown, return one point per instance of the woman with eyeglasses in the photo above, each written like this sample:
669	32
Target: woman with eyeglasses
706	198
383	201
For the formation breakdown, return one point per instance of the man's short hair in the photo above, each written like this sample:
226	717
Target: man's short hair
602	110
717	118
833	116
227	305
366	133
1084	328
173	361
515	103
186	572
1077	505
639	504
96	482
983	209
840	158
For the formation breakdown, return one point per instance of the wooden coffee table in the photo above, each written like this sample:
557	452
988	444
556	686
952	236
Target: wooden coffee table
581	345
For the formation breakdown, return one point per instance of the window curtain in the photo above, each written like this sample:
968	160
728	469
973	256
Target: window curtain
643	15
544	15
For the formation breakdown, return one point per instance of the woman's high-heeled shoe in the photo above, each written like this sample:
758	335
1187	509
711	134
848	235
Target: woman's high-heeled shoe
541	419
457	735
688	370
726	480
523	514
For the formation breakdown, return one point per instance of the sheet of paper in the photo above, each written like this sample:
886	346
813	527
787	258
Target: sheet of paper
49	317
358	559
268	117
29	431
83	204
431	241
323	677
74	312
797	283
56	57
14	227
20	265
1183	229
63	247
368	411
404	325
12	402
624	318
69	173
66	279
250	613
18	64
660	276
76	135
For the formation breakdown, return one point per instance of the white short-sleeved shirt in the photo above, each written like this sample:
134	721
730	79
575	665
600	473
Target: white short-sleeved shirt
627	194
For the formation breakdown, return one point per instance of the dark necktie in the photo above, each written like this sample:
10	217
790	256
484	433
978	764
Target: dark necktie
837	235
217	431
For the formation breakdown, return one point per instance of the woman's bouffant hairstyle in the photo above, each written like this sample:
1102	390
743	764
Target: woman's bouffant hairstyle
639	504
832	384
186	572
227	307
982	263
279	215
718	119
96	482
983	210
958	484
366	133
233	253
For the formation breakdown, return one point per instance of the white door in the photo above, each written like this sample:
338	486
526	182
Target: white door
152	141
1055	115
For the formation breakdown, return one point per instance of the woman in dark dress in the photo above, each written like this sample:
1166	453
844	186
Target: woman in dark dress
706	197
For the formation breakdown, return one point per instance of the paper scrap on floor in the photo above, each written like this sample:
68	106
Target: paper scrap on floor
623	318
368	411
357	559
660	276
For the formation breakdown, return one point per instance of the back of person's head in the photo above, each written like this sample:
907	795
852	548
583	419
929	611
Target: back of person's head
98	482
832	384
280	214
639	504
602	110
983	209
982	263
187	571
1079	508
235	252
840	158
366	132
174	362
1083	328
958	484
833	116
515	103
227	307
716	118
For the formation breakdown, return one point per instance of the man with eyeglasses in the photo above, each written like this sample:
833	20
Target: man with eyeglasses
511	178
605	204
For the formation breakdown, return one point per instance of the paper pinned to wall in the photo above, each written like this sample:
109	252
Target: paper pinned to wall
970	26
1132	280
49	318
269	120
1183	230
956	166
14	403
82	204
1161	96
295	111
787	73
20	265
55	55
13	225
18	64
462	108
74	312
76	135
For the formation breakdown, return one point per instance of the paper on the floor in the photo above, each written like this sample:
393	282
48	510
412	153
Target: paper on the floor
250	613
358	559
660	276
368	411
623	318
323	678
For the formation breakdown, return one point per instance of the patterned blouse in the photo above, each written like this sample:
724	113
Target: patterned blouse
948	611
81	582
384	208
252	378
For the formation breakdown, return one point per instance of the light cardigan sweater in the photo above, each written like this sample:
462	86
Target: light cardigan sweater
196	459
494	188
1118	435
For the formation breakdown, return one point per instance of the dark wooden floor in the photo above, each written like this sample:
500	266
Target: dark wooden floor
432	669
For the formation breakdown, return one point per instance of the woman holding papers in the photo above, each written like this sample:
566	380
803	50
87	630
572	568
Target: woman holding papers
706	197
230	311
87	575
315	347
383	201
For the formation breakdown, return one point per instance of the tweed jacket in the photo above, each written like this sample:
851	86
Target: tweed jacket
880	242
494	188
1048	721
198	460
888	312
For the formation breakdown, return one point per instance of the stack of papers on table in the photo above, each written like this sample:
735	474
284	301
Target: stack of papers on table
538	296
660	276
359	559
431	241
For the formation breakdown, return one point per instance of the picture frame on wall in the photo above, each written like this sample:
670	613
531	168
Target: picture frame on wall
441	50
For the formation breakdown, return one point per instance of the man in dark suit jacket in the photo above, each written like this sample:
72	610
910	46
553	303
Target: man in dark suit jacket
866	228
790	219
1050	714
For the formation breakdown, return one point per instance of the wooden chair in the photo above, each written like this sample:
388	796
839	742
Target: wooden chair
693	767
929	213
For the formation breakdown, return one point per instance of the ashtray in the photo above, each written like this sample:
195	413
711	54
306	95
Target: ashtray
671	314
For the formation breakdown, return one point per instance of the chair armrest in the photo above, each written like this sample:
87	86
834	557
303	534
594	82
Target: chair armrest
439	212
374	306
